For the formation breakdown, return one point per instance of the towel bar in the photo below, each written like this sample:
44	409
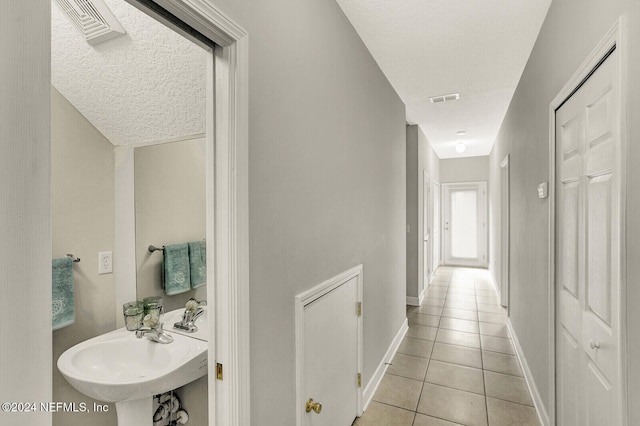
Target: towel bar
75	259
153	248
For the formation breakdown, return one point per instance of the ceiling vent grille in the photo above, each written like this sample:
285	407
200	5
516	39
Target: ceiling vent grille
444	98
93	18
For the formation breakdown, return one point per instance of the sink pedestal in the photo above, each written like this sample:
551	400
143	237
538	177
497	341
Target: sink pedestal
135	413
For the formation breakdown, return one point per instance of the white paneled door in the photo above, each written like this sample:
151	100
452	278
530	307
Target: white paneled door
426	244
588	258
465	225
436	228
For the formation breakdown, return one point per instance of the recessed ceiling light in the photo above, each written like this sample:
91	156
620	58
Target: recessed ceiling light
460	148
461	132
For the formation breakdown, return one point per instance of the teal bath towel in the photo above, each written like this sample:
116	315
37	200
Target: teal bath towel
63	307
198	263
177	278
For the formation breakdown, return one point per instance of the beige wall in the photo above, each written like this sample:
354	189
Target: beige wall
468	169
25	252
420	158
169	208
82	217
563	44
326	184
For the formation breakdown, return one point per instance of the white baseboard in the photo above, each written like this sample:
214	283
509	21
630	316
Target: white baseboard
531	384
375	380
416	301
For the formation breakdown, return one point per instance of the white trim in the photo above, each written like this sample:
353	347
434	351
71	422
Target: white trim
543	416
302	300
417	301
505	227
616	36
375	380
227	203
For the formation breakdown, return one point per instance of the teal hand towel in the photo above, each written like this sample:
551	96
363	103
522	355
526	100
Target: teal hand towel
177	278
63	307
198	263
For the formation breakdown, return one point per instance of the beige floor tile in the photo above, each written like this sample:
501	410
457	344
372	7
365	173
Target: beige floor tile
491	309
378	414
460	281
457	355
422	332
494	318
492	329
501	363
433	301
504	413
469	306
462	290
422	420
409	366
416	347
459	338
452	404
429	310
399	392
506	387
460	313
488	300
486	293
497	344
455	376
459	324
456	297
423	319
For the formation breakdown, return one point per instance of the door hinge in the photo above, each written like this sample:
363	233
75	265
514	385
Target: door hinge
219	371
359	378
359	308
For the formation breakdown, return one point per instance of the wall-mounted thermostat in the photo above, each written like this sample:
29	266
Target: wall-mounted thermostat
543	190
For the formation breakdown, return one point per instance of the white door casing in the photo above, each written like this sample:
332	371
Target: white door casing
436	228
427	268
504	243
329	350
464	223
589	245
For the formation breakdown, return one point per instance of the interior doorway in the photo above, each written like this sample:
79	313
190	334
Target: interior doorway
427	269
588	283
435	262
465	230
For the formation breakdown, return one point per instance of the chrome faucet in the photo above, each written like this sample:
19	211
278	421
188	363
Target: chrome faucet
191	313
155	334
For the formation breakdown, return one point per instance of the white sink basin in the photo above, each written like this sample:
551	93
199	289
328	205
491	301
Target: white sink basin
119	367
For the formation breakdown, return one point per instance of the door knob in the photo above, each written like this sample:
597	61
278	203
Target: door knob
315	406
594	344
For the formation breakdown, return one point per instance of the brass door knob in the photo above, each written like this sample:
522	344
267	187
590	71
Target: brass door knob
315	406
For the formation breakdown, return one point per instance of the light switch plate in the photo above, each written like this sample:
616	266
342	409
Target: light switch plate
543	190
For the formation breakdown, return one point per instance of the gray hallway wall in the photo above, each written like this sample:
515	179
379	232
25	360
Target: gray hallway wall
571	31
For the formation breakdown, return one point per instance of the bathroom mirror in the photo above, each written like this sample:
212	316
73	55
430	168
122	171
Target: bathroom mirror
170	208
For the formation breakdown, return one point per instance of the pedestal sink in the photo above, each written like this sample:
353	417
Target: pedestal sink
118	367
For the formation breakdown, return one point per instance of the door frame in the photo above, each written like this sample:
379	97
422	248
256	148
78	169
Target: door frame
436	260
227	200
427	224
303	299
615	38
505	223
444	207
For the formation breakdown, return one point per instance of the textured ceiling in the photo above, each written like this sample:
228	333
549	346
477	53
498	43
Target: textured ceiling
435	47
146	86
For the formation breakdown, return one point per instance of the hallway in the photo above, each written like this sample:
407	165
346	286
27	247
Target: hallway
457	363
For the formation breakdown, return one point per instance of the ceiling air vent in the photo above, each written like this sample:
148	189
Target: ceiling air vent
444	98
93	18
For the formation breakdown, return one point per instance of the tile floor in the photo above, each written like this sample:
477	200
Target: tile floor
457	364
